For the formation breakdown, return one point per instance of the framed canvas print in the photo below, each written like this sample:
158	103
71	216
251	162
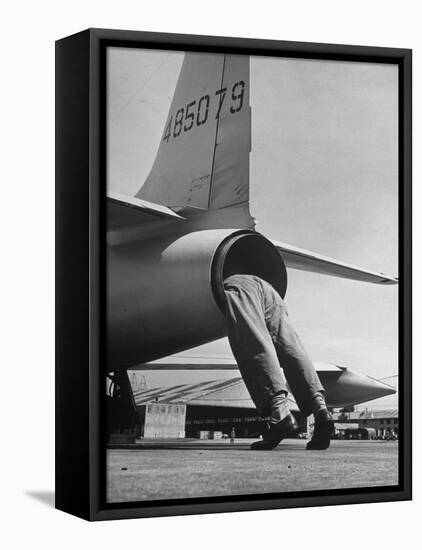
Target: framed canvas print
233	274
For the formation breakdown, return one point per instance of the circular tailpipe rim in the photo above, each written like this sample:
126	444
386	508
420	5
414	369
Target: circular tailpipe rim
247	252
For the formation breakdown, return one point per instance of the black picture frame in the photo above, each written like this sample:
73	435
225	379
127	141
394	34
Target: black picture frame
80	271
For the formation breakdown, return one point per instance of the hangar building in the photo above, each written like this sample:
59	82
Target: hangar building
212	405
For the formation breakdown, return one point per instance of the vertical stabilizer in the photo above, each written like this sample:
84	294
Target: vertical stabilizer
203	156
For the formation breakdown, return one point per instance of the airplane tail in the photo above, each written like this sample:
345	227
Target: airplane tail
202	162
203	157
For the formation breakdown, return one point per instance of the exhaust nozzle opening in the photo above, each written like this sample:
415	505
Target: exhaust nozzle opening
247	252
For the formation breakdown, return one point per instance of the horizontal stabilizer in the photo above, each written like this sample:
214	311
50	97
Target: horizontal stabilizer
298	258
124	211
143	205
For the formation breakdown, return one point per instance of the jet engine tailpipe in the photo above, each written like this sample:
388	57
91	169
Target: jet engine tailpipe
165	294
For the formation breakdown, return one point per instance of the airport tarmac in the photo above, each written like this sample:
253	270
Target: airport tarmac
163	469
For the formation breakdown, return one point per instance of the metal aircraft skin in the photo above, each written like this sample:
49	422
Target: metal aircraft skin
169	246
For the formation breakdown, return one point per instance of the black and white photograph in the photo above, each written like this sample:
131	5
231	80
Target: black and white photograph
252	275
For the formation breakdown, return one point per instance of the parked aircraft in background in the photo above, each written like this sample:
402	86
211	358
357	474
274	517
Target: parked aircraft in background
344	387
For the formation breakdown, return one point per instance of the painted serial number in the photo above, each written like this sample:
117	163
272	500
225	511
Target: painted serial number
197	113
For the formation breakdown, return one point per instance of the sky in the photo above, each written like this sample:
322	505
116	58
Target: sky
324	176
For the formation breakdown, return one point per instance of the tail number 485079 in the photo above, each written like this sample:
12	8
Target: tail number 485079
197	113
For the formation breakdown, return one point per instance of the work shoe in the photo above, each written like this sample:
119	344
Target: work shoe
285	428
324	429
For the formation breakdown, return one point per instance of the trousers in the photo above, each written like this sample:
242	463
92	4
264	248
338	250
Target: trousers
265	345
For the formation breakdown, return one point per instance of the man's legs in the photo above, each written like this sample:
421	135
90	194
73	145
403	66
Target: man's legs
256	357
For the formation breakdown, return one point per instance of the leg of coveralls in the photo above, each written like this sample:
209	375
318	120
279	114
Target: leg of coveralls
299	370
252	346
300	373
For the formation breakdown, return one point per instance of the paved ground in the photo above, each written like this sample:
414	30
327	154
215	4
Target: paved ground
155	470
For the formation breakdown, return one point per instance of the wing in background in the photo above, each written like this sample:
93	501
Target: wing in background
343	386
